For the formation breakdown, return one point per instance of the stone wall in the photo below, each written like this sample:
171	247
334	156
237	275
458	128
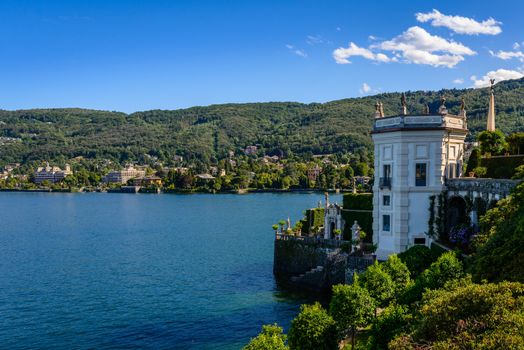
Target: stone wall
313	265
308	266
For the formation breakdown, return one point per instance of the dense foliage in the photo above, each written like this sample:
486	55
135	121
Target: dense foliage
313	329
417	259
500	255
207	134
469	316
351	306
271	338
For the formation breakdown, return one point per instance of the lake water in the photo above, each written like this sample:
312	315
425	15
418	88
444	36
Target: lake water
120	271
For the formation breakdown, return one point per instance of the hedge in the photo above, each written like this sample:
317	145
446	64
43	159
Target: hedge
502	167
358	201
314	216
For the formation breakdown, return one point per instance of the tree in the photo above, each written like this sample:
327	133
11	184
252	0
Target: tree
362	169
399	273
313	329
474	160
447	268
271	338
392	321
351	306
519	173
499	244
516	143
378	283
469	316
492	142
417	259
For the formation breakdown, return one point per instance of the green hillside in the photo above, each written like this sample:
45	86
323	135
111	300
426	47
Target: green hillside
208	133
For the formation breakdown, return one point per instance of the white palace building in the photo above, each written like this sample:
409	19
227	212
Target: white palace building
414	154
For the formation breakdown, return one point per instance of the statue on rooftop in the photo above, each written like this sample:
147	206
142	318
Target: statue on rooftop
381	110
377	110
442	109
404	104
462	107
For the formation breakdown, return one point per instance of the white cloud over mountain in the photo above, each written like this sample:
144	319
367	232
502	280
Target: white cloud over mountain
420	47
415	45
459	24
365	89
499	75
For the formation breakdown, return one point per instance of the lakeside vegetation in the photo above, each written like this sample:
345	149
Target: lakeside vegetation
425	298
332	137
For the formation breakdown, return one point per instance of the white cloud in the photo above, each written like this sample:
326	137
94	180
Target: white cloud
499	75
459	24
342	54
516	46
298	52
372	37
420	47
364	89
314	39
507	55
458	81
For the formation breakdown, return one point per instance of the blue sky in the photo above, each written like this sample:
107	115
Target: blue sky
140	55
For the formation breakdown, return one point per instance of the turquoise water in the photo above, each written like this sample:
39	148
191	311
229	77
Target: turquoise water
120	271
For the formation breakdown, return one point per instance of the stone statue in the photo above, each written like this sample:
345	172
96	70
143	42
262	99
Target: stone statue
404	109
377	110
442	109
426	109
462	107
326	197
355	233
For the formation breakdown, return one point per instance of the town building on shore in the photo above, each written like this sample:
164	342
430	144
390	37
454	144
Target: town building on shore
147	181
52	174
124	175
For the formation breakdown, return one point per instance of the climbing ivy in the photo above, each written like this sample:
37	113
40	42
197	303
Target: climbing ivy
431	221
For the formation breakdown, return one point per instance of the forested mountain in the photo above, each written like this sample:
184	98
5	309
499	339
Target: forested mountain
208	133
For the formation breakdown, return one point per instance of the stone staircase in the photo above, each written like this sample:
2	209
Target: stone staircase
308	274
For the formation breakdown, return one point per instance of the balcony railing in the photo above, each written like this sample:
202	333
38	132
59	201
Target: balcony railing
385	182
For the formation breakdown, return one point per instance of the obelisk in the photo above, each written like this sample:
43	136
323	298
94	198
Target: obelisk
491	109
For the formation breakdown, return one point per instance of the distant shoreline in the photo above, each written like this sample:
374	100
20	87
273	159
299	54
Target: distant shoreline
246	191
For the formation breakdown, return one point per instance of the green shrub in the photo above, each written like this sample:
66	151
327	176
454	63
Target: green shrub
314	218
499	244
417	259
399	273
470	316
392	321
378	282
519	173
492	142
447	268
480	171
474	160
502	167
351	306
271	338
313	329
